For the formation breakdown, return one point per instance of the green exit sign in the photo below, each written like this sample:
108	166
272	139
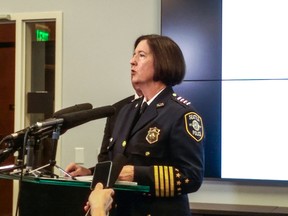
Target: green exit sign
42	35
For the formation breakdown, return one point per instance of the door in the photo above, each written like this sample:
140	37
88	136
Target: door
7	91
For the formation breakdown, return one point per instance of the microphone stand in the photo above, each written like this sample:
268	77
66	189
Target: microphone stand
19	162
52	161
30	153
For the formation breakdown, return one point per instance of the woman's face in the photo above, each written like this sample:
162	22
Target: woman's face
142	64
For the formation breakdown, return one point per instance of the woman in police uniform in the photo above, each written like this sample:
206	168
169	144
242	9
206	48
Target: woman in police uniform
164	144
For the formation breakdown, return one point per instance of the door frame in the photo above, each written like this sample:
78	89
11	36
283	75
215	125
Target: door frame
21	19
20	66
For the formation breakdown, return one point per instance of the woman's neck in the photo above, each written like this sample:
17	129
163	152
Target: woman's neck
149	91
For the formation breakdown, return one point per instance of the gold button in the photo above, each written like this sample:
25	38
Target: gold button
124	143
147	153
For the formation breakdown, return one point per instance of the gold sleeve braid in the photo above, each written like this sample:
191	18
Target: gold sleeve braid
164	181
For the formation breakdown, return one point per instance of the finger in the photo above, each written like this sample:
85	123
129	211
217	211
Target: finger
74	173
99	186
70	167
112	192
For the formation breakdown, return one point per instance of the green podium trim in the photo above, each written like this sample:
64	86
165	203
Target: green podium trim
73	183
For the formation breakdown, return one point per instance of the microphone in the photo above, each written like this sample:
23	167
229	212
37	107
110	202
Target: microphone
71	120
5	153
47	123
72	109
15	140
15	135
44	129
75	108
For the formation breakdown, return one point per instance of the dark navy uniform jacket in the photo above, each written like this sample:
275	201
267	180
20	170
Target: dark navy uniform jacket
110	122
165	146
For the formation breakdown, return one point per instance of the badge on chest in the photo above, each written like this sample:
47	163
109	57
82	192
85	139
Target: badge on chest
153	135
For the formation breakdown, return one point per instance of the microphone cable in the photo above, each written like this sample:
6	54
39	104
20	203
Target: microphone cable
22	170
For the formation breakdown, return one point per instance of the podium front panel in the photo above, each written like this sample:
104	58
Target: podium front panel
50	196
46	200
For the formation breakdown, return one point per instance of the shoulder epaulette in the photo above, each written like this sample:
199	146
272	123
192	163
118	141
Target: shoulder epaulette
180	99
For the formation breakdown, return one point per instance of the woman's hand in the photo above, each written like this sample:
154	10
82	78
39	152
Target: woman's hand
76	170
100	200
127	173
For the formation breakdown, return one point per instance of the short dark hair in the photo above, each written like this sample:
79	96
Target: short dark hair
169	63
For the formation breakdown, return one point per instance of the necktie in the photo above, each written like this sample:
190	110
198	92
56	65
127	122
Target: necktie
141	110
143	107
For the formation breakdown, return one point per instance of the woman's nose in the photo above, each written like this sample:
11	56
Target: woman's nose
132	61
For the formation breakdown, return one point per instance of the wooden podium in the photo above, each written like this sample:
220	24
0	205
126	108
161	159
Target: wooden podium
47	196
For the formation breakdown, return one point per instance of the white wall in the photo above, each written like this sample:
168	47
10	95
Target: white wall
243	193
98	37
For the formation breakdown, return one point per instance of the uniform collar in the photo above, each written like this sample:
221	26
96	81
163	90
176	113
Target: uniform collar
152	99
